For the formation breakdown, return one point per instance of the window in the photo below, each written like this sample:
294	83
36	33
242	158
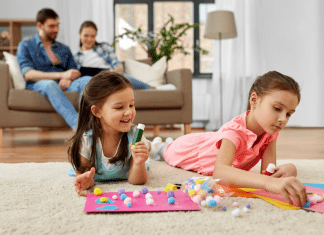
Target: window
150	15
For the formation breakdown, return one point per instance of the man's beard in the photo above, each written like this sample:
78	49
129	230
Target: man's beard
50	37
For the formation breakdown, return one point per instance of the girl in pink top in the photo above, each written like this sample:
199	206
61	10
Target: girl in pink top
241	143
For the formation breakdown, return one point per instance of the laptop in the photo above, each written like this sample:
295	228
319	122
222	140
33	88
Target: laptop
90	71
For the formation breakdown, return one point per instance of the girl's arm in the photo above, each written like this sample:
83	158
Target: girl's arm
285	186
137	170
84	180
269	156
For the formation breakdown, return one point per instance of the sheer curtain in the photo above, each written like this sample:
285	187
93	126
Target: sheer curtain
72	13
241	62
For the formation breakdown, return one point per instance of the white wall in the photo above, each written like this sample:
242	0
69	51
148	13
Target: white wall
292	39
23	9
293	45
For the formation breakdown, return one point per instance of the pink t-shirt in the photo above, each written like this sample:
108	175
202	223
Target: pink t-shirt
197	152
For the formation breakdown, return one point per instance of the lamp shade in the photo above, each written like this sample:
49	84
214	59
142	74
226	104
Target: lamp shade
220	22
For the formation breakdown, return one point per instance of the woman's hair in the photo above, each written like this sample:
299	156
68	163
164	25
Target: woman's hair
86	24
273	81
45	14
99	88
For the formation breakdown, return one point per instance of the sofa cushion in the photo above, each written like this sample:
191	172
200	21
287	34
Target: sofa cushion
28	100
15	72
152	75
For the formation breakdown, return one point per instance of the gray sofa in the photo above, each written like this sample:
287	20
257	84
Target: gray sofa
25	108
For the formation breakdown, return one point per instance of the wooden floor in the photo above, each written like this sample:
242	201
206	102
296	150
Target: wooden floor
39	145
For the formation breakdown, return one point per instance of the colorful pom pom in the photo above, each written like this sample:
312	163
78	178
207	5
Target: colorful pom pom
212	203
171	200
245	209
318	198
203	203
158	191
136	193
121	191
197	199
148	195
236	212
128	199
103	199
97	191
129	204
144	190
123	196
312	200
150	201
202	193
199	181
218	199
208	198
224	208
205	186
114	197
192	192
235	204
248	206
307	204
170	193
197	187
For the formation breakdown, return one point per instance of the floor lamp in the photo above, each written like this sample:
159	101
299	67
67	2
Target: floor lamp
220	25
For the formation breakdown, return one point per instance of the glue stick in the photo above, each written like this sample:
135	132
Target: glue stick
270	169
138	134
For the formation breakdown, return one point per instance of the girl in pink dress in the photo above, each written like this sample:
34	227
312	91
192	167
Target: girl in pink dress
248	138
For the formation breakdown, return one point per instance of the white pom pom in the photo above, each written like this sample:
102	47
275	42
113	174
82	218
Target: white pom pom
148	195
150	201
203	203
245	209
236	212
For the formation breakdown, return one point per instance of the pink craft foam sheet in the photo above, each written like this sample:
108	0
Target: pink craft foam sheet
182	203
319	207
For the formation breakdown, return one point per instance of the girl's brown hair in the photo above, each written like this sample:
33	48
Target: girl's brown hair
86	24
272	81
95	93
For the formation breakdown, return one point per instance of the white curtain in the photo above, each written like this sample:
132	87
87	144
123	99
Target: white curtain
241	62
73	13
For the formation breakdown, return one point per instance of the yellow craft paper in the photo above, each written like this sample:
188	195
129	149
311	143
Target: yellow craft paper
280	204
249	189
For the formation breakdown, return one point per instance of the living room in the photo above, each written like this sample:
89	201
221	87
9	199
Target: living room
284	36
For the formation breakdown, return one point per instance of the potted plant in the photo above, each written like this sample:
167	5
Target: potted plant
164	43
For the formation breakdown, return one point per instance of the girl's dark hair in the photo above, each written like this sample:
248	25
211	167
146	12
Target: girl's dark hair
86	24
272	81
44	14
95	93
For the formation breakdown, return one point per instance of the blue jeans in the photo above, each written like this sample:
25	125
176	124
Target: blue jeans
51	90
137	84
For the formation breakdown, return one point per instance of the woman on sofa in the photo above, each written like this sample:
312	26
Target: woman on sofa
100	55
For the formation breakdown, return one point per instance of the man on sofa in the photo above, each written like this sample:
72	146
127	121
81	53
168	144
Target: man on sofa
48	66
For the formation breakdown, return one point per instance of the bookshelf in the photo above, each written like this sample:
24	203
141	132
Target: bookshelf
14	29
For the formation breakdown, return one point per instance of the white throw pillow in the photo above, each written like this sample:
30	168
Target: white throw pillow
152	75
15	72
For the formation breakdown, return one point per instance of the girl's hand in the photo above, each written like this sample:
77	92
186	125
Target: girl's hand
140	153
84	181
288	186
285	171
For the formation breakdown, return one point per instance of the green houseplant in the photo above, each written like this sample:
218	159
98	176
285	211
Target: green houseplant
164	43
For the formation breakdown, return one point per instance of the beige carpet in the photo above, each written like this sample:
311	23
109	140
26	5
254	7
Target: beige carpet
39	198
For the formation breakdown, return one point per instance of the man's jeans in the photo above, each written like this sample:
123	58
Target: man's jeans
137	84
51	90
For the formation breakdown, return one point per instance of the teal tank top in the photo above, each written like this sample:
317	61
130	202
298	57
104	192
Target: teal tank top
117	171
